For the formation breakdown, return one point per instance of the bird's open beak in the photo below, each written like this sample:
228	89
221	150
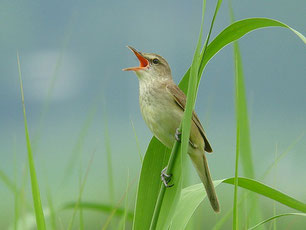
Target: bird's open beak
143	62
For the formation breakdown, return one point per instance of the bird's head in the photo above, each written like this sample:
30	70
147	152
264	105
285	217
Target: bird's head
151	66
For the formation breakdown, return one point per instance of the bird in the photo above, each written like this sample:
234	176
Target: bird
162	104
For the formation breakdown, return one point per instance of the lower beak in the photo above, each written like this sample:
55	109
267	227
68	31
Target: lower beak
143	62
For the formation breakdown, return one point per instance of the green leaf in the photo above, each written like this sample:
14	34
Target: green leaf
105	208
155	159
191	198
193	195
277	216
39	214
8	182
243	140
269	192
232	33
172	195
81	189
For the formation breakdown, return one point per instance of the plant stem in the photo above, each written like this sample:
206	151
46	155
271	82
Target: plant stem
174	151
235	209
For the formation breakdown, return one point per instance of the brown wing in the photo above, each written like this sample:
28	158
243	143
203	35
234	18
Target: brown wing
180	99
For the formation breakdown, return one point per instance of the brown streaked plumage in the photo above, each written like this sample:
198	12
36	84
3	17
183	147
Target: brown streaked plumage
162	105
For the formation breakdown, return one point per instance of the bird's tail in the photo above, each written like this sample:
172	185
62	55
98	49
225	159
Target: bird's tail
200	162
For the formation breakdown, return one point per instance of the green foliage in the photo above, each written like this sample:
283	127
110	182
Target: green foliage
104	208
230	34
191	198
82	186
193	195
277	216
172	208
243	140
40	220
155	159
269	192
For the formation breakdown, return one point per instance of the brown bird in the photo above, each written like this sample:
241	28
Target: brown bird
162	104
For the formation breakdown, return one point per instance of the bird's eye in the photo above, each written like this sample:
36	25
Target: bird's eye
155	61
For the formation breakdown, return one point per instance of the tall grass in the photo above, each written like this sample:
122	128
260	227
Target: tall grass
40	220
155	206
233	32
82	186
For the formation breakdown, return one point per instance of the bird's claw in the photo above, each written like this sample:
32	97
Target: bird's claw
178	135
166	178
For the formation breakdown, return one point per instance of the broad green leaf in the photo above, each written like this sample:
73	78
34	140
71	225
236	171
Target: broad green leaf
277	216
155	159
228	214
193	195
39	214
173	195
190	199
232	33
144	206
269	192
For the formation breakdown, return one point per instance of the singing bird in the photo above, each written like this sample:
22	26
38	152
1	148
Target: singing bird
162	104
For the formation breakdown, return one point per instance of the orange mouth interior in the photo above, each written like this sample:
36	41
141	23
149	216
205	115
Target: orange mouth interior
143	62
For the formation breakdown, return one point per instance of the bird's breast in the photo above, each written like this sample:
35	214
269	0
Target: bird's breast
160	113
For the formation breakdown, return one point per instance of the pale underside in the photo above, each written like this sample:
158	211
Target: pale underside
162	107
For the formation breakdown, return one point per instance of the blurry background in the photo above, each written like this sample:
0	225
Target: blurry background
72	53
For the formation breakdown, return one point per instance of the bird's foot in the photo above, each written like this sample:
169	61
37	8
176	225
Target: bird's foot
178	135
166	178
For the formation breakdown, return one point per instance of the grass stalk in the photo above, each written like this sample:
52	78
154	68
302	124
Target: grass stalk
137	142
51	208
115	210
235	205
82	186
185	126
109	160
40	220
174	153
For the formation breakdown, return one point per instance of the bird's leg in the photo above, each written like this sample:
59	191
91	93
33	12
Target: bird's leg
165	177
178	135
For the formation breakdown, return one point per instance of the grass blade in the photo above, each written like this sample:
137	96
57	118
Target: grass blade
190	199
277	216
243	144
172	195
155	159
169	197
193	195
52	210
40	220
78	146
152	165
123	220
137	142
8	182
82	186
232	33
109	160
223	219
269	192
105	208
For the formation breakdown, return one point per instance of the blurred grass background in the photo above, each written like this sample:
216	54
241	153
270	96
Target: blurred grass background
80	48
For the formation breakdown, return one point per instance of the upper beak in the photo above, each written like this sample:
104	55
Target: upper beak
143	62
